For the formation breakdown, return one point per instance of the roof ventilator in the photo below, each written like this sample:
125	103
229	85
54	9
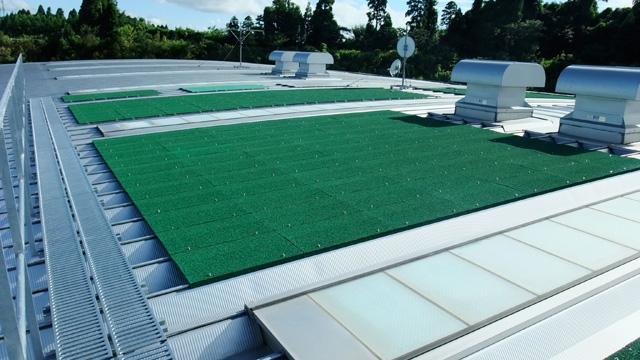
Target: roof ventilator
607	103
496	89
312	64
284	62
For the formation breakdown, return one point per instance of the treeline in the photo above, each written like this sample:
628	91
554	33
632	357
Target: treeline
553	34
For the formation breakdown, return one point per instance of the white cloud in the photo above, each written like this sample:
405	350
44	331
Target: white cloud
348	14
614	4
233	7
155	21
397	17
15	5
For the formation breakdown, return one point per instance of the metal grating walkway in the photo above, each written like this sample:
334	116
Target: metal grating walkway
132	326
77	323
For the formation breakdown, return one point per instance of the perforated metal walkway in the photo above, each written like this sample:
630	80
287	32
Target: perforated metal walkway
132	327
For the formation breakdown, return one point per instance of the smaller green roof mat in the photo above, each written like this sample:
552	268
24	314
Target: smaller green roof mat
109	95
185	104
530	94
223	88
227	200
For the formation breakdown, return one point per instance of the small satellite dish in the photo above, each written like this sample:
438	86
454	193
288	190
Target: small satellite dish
406	46
395	67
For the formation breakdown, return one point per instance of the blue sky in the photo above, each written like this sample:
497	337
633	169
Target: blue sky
201	14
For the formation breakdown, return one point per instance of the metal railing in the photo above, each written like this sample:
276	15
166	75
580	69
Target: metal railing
15	150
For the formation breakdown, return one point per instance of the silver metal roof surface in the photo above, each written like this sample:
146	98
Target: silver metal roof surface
576	290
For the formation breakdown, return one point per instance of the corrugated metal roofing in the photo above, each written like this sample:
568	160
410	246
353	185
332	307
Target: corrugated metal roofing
200	322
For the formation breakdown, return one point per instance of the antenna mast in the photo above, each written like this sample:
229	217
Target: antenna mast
242	34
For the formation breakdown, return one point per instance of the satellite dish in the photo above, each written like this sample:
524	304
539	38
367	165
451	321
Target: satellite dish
395	67
406	46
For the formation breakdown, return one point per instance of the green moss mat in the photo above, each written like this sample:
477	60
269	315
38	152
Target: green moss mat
530	94
108	95
227	200
629	352
198	89
139	108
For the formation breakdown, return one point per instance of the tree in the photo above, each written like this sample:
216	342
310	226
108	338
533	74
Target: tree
531	9
73	15
378	10
324	28
60	13
283	24
247	23
90	11
450	11
308	13
423	21
40	11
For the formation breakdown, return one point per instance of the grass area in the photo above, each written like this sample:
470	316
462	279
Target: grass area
223	88
629	352
530	94
108	95
231	199
173	105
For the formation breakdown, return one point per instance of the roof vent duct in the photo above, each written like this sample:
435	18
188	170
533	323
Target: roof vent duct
284	62
496	89
312	64
607	103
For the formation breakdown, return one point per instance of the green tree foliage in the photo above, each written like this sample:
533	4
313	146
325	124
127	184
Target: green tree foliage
377	13
324	30
423	21
449	13
283	24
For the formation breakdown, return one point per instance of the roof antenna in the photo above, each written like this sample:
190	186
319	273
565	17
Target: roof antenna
406	47
242	34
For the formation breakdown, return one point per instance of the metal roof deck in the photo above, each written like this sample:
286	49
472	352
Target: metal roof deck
211	321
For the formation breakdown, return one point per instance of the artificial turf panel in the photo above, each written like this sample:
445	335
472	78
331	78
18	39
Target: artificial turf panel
108	95
529	94
231	199
199	89
174	105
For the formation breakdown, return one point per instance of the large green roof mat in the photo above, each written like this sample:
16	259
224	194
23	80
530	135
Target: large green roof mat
231	199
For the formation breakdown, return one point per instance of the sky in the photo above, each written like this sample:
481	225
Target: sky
202	14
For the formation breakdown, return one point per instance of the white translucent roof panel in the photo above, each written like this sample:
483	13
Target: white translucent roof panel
634	196
311	333
576	246
389	318
462	288
604	225
533	269
622	207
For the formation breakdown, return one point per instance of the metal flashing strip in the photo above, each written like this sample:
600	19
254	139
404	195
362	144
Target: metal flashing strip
194	307
131	323
190	121
73	305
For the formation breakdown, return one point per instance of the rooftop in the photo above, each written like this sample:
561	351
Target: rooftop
222	205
